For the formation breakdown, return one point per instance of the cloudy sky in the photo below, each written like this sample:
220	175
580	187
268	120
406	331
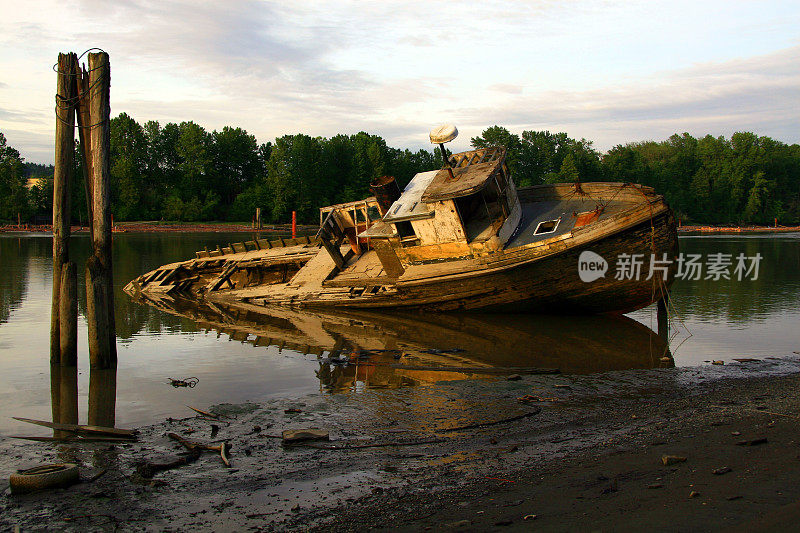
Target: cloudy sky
609	71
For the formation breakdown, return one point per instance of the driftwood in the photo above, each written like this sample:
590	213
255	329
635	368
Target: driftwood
204	413
532	412
88	430
222	449
148	469
430	440
71	439
433	440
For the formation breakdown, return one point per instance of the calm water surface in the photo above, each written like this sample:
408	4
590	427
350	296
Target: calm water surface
245	357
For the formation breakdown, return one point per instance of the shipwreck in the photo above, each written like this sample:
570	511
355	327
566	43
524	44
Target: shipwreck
458	238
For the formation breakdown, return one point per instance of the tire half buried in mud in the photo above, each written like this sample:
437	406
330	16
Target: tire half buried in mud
44	477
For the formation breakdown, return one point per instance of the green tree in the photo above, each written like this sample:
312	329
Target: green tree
235	164
127	163
568	173
293	177
13	194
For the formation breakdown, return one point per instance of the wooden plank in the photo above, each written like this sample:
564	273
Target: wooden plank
335	254
74	439
77	428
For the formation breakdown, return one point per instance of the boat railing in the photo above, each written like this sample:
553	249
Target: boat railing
258	244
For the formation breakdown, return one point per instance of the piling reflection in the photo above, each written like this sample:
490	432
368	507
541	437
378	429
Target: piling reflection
392	350
64	397
102	397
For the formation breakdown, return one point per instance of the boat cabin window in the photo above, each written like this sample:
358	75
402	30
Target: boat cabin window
373	213
547	226
407	235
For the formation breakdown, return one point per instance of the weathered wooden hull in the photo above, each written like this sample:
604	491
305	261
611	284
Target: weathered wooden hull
547	284
540	276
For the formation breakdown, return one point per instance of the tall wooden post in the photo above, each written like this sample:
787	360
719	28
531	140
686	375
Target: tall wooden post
84	129
68	316
99	272
62	177
294	224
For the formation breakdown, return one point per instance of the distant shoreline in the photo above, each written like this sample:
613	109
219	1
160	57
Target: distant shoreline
305	229
738	229
170	227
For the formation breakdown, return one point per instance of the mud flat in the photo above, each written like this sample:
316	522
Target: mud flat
581	452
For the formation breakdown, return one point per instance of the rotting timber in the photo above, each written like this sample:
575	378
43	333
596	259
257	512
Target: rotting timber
459	238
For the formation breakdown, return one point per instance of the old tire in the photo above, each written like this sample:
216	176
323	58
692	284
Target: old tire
43	477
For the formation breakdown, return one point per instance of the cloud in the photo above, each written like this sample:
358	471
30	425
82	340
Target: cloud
758	93
21	116
33	146
506	88
342	66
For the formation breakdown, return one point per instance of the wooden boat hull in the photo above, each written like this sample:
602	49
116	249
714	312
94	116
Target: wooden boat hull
529	274
551	284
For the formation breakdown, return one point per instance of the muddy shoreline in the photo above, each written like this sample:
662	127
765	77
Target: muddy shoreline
587	456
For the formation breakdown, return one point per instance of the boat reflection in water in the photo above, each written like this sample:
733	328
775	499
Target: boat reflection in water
389	350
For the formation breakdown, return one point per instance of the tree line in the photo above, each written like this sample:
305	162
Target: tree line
182	172
746	179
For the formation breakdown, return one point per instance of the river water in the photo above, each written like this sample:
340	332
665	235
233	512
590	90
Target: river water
239	357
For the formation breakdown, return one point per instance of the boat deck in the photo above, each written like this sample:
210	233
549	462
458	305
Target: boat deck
534	213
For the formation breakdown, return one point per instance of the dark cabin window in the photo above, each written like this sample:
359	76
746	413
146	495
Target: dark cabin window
407	235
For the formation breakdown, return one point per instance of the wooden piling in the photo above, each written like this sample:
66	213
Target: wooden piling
62	177
68	316
99	272
84	129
